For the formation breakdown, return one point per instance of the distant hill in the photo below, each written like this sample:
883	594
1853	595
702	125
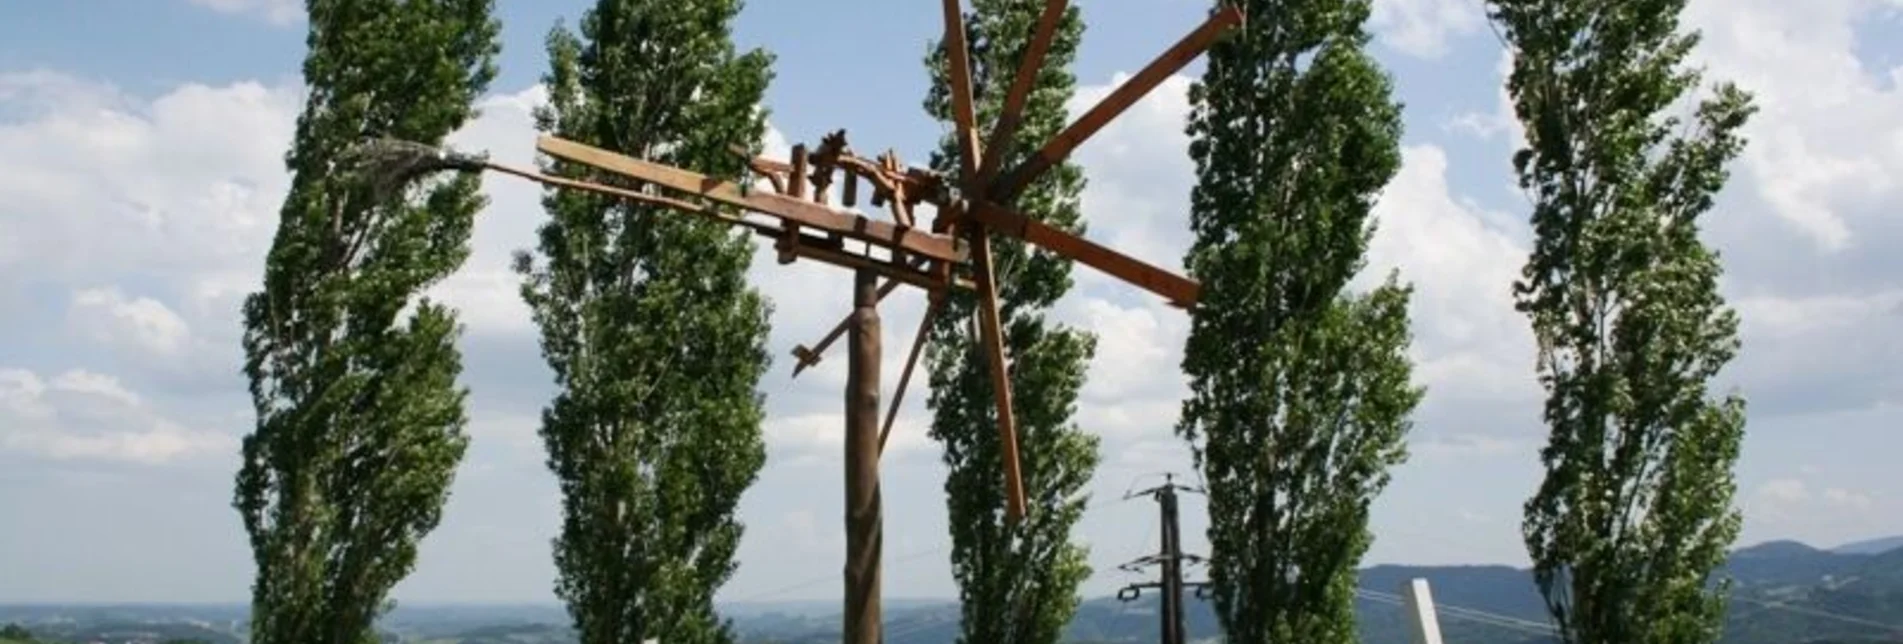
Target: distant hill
1871	547
1784	592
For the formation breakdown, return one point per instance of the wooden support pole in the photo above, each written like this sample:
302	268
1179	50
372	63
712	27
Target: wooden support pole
864	538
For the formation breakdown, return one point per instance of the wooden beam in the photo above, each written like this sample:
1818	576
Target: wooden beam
802	212
632	195
959	54
912	277
991	337
809	357
1028	68
1060	147
905	377
1180	291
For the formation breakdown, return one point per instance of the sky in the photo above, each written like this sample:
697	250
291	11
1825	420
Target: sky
141	147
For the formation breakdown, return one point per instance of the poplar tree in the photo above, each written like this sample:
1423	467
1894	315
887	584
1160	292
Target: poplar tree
1636	509
656	339
353	375
1017	583
1300	390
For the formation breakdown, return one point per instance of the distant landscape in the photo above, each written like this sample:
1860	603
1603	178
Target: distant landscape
1786	592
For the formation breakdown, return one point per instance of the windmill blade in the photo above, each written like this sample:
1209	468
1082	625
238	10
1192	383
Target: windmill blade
992	339
1028	67
959	53
905	377
1180	291
1152	75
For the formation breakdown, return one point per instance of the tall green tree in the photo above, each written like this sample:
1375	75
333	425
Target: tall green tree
1636	508
1017	582
1301	391
353	375
655	337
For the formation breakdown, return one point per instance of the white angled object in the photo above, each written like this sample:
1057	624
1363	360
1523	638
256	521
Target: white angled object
1420	612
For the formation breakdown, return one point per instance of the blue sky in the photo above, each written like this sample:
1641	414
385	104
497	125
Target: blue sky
140	146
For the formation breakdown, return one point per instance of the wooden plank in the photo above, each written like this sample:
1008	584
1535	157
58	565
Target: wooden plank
991	335
1060	147
805	213
631	195
1028	67
959	54
1180	291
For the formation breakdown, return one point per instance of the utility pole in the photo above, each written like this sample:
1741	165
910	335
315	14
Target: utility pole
1171	558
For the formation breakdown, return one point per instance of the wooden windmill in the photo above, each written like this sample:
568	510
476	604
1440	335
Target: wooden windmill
952	252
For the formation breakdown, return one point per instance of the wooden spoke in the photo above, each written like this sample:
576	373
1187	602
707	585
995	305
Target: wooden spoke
1180	291
1028	67
992	339
809	357
959	54
918	343
787	208
1119	100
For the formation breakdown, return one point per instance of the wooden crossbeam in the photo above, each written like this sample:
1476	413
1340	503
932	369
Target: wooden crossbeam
1152	75
1180	291
787	208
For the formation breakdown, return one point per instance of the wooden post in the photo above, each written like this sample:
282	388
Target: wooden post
1419	603
864	538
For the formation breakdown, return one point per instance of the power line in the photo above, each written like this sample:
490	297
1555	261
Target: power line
1466	614
1847	619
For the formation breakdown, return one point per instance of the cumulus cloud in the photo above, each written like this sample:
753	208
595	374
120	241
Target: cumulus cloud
142	322
276	12
1422	28
81	415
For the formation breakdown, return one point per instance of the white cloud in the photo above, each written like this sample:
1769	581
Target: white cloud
1422	28
1783	491
277	12
80	415
1818	158
141	321
113	188
1501	120
1843	498
1470	343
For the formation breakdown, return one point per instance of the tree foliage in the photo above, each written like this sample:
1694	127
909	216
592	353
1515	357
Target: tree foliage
353	376
655	337
1017	583
1636	507
1300	390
